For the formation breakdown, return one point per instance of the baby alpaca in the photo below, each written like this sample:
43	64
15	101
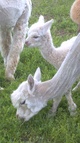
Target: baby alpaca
75	13
14	17
39	36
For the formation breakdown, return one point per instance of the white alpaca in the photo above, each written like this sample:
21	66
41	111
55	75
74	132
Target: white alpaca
39	36
32	95
14	17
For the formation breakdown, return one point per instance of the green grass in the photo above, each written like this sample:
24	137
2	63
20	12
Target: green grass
40	129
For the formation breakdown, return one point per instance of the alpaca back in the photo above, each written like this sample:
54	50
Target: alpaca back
10	11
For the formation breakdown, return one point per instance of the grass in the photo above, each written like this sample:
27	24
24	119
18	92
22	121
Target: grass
40	129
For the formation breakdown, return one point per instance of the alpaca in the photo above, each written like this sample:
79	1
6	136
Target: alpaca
14	17
75	16
75	13
32	95
39	36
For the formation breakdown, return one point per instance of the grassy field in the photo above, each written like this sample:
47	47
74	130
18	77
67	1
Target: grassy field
40	129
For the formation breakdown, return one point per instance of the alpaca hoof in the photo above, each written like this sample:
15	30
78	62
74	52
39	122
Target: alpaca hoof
10	77
51	113
73	110
73	113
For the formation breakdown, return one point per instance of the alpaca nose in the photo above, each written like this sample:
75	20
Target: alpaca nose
17	116
27	43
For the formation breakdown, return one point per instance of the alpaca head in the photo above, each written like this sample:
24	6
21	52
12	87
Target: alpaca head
37	32
26	98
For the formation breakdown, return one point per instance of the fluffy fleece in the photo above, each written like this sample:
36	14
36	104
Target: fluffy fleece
14	17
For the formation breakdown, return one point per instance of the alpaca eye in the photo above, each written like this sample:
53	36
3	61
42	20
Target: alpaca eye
22	103
35	37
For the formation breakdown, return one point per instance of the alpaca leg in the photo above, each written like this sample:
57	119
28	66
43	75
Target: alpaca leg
53	110
6	39
72	106
76	87
19	34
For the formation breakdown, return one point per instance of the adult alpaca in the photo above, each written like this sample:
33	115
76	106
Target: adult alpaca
75	13
14	17
39	36
32	95
75	16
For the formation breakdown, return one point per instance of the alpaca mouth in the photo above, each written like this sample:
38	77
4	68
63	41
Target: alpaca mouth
20	118
27	43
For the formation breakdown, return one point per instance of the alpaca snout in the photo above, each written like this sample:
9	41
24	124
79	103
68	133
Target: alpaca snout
27	43
18	117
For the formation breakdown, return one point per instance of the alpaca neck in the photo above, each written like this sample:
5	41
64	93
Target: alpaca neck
53	55
65	77
49	90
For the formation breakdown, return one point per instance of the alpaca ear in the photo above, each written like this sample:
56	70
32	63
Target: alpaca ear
41	19
37	74
31	84
46	26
